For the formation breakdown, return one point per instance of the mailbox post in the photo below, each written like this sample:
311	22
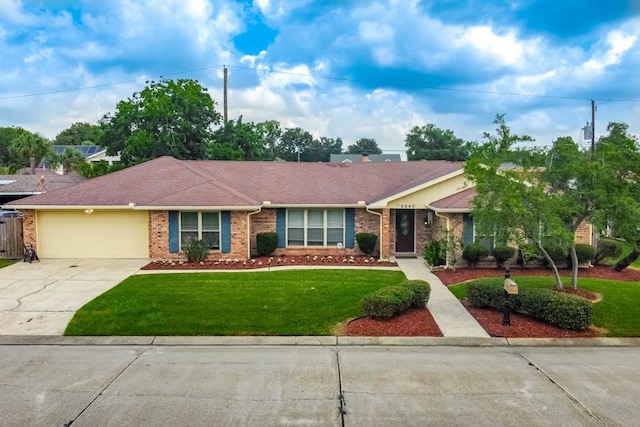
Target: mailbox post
510	288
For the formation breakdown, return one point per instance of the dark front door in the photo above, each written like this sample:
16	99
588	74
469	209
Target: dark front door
405	230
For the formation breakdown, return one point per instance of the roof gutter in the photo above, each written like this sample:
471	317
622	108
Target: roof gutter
380	222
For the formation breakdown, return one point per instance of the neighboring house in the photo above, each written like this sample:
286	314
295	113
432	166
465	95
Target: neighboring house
14	187
364	158
92	153
146	211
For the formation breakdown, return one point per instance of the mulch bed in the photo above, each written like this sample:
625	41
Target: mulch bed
411	323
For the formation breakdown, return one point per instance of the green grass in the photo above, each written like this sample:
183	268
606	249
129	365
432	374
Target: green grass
7	262
618	312
297	302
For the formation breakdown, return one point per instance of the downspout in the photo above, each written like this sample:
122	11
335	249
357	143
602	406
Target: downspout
381	237
249	230
446	264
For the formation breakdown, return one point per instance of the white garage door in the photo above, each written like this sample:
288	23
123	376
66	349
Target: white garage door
100	234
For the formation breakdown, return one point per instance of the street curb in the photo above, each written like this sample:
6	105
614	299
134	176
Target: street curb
320	341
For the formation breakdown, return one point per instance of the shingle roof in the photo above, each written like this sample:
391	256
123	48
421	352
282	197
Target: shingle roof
460	201
30	184
167	182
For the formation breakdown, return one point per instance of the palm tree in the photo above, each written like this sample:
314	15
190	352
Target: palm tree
30	146
70	159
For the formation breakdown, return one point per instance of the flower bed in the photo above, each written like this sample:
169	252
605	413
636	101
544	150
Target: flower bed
268	262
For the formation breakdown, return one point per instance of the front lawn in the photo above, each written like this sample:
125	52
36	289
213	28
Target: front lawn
295	302
618	312
6	262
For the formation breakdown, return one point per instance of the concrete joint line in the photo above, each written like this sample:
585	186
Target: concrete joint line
341	401
565	392
104	388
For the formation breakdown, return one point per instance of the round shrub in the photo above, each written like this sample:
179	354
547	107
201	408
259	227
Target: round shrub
503	253
435	253
387	302
608	248
367	242
474	253
421	292
585	253
266	243
556	252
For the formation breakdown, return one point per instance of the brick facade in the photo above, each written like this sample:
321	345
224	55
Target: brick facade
30	236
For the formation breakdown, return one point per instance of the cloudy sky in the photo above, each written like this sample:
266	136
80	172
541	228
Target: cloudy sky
342	68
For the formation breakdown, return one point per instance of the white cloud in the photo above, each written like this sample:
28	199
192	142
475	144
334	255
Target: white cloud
618	44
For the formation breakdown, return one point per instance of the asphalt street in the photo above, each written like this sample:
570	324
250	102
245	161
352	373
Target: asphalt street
317	385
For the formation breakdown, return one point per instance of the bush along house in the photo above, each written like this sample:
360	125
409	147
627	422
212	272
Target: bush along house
148	210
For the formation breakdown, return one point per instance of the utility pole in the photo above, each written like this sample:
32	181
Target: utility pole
593	129
225	94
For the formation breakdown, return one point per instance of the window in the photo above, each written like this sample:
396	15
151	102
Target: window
315	227
201	225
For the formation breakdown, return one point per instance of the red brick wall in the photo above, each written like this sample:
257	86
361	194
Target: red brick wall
159	237
29	234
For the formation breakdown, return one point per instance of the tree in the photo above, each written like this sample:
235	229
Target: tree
320	149
512	203
168	117
31	147
364	145
94	169
70	160
270	132
7	135
293	145
431	143
236	140
80	134
617	157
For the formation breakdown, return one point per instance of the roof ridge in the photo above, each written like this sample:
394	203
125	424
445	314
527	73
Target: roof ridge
214	181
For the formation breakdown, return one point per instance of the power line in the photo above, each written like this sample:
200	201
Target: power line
334	78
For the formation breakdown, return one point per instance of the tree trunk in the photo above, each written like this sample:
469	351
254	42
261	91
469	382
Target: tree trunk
574	267
626	261
552	264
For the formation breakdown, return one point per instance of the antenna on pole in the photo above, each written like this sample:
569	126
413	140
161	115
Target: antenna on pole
225	94
593	129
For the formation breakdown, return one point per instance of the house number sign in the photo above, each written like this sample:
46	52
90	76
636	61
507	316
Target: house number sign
407	206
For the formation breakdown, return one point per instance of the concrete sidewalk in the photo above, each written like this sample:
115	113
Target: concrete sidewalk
453	319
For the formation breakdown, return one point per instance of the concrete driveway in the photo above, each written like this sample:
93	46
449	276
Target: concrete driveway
42	297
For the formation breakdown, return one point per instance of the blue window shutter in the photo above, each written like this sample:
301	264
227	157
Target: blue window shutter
467	231
349	227
225	233
281	226
174	232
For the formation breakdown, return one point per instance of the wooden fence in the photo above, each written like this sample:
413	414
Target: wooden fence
11	240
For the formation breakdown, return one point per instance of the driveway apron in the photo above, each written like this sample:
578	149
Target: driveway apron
41	298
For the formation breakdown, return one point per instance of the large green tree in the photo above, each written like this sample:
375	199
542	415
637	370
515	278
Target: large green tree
30	147
80	134
70	160
364	145
168	117
293	145
7	135
432	143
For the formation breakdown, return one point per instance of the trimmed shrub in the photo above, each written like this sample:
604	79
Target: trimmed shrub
585	253
266	243
195	250
503	253
367	242
387	302
474	253
421	292
556	252
555	308
435	253
607	248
